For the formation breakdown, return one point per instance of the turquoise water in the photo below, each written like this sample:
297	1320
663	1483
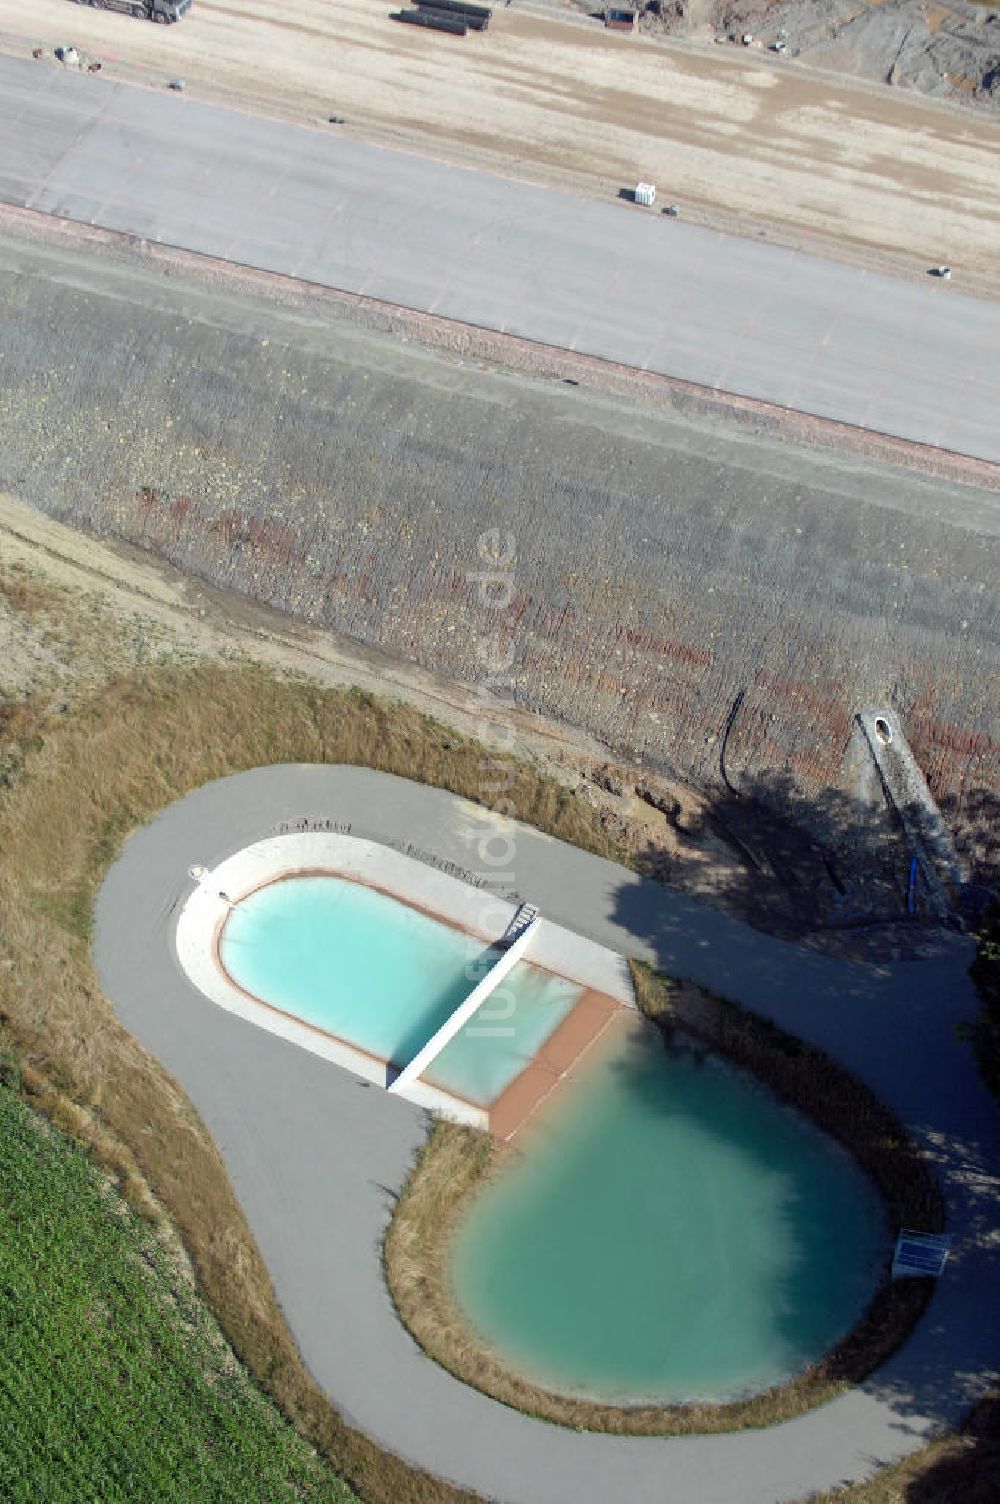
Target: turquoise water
352	961
384	976
503	1037
671	1232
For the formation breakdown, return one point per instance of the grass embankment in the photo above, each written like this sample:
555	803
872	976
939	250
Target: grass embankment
87	779
120	1386
457	1162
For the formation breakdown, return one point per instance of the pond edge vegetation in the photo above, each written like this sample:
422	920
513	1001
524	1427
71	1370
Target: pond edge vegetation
457	1163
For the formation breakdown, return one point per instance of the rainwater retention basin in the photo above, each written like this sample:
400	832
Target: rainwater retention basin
666	1231
663	1229
384	976
460	1000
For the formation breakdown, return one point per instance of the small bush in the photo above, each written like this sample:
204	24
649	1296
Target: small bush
985	973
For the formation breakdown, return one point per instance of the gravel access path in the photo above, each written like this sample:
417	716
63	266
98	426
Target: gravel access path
317	1157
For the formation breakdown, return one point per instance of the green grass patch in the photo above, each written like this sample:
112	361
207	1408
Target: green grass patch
92	776
117	1383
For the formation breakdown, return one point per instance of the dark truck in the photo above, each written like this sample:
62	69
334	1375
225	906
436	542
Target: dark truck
163	11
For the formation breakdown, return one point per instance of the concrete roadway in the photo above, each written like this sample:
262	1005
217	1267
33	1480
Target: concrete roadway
316	1156
914	359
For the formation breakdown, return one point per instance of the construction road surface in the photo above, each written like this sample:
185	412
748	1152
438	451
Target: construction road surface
917	360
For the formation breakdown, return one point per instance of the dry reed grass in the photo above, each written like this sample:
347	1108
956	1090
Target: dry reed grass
28	594
456	1163
140	743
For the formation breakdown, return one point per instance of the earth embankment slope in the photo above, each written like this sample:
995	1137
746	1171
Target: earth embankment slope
662	568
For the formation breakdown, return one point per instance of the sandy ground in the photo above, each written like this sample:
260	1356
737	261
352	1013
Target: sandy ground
128	608
116	609
949	49
740	140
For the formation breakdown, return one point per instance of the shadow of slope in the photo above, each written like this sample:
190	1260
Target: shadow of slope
969	1474
897	1026
832	861
974	818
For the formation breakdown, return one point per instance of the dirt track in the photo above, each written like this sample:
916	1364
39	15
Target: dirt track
738	140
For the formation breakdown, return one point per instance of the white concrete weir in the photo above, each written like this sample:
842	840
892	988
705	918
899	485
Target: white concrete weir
212	892
465	1010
